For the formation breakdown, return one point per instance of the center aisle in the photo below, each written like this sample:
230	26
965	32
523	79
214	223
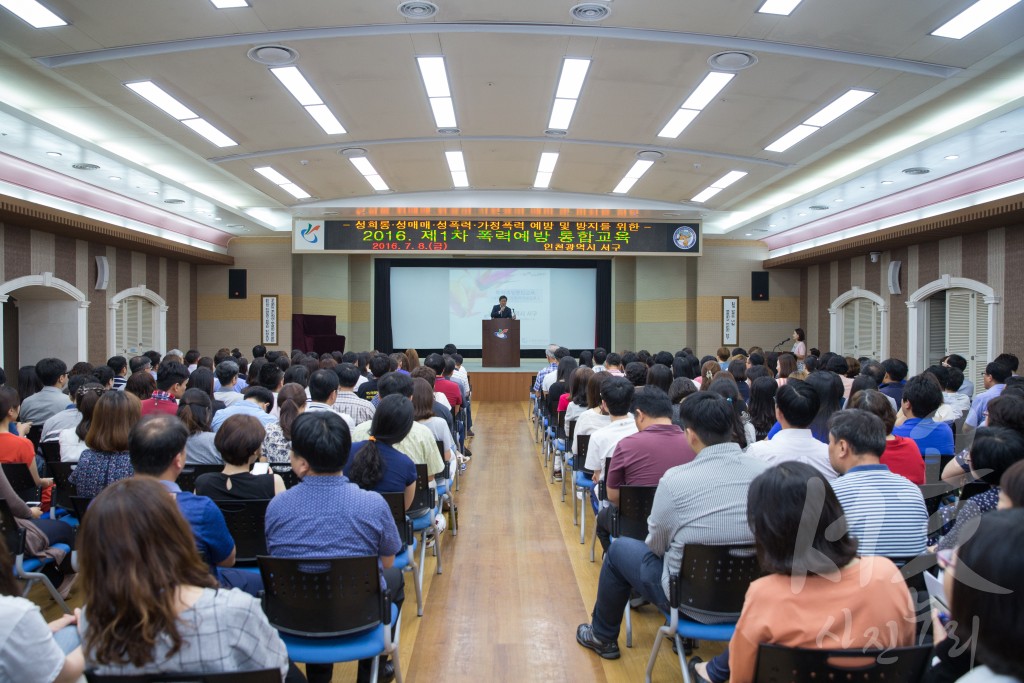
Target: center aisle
507	605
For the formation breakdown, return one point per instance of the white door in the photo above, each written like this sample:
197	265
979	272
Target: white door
967	331
862	329
135	326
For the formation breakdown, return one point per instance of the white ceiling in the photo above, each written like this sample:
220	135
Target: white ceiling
62	89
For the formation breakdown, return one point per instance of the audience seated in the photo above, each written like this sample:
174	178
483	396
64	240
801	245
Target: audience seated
239	441
797	405
616	399
346	401
226	385
375	464
256	401
922	396
884	511
960	363
894	379
361	523
196	411
202	378
995	378
15	449
151	603
277	444
423	413
106	459
818	592
1011	487
43	404
142	384
901	454
704	501
70	416
171	380
72	438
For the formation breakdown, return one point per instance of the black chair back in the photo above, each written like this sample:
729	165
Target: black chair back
63	489
51	452
246	523
290	478
35	435
187	477
80	504
560	424
425	496
635	503
261	676
714	578
972	489
777	664
14	535
580	459
323	598
447	471
396	501
20	478
934	495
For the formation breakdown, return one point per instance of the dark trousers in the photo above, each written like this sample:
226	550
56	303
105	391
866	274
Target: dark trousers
322	673
604	527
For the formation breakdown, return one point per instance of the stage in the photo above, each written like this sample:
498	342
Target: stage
502	384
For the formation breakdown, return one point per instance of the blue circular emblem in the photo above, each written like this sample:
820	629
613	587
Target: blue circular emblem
684	237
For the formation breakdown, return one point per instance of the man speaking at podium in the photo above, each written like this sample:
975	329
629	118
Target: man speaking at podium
501	309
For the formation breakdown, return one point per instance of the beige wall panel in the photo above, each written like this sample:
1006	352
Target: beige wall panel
951	257
43	259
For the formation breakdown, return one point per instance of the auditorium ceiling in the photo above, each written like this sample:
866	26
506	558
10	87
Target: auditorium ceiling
827	123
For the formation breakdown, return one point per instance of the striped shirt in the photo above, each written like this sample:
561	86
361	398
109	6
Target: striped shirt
884	511
347	403
703	501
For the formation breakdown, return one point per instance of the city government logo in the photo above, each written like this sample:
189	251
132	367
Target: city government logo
684	237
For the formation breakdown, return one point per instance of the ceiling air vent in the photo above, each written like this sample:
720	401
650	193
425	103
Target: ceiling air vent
448	131
85	167
590	11
174	201
819	207
732	60
417	9
650	155
917	170
555	133
273	55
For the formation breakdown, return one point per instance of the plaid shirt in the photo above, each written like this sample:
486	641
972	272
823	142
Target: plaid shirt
540	375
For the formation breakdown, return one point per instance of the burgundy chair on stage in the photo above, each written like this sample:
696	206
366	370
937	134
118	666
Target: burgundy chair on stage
316	333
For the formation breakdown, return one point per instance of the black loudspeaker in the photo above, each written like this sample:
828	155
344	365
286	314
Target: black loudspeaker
759	285
237	288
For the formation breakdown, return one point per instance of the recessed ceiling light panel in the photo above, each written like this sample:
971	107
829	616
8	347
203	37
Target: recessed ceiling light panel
972	18
34	13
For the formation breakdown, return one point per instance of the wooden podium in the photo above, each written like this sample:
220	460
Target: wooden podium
500	343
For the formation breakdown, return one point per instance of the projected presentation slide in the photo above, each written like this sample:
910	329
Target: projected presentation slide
540	298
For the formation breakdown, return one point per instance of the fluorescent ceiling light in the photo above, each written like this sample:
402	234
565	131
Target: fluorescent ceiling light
547	162
574	71
208	131
561	114
632	175
975	16
678	123
272	175
363	165
158	97
326	119
707	90
707	194
295	191
791	138
34	13
228	4
297	85
456	162
435	78
377	183
728	179
843	104
444	112
460	179
784	7
542	180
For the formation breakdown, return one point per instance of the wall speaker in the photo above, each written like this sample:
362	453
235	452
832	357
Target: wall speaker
894	277
102	272
237	283
759	285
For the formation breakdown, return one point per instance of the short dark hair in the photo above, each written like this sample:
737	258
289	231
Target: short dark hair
660	376
270	375
348	375
117	364
940	373
874	370
955	360
709	415
1007	410
837	364
895	368
170	373
923	394
50	370
955	378
191	356
653	402
103	374
395	383
450	348
322	439
756	359
997	371
502	297
993	451
561	352
636	373
798	402
599	356
138	363
992	619
379	365
864	431
226	371
613	359
322	384
1012	484
435	362
1009	360
238	438
259	351
261	394
154	442
776	506
617	393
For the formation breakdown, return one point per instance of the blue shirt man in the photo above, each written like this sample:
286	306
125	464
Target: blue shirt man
996	375
255	402
326	515
922	396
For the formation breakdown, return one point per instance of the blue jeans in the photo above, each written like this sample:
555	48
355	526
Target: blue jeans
718	668
628	566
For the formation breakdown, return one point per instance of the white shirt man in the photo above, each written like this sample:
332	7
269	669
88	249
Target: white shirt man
796	405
